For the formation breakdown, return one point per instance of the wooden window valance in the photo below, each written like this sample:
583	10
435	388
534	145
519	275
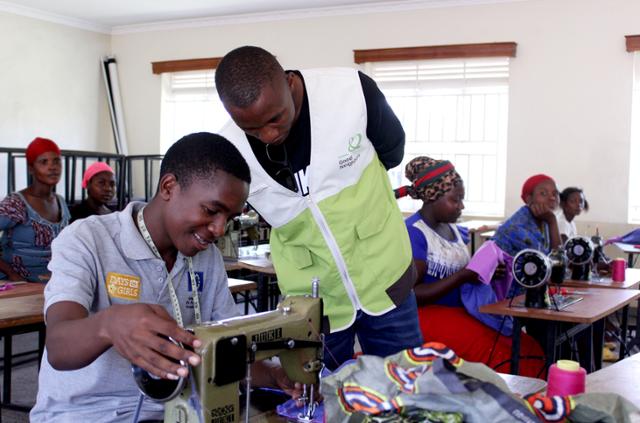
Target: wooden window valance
185	65
633	42
507	49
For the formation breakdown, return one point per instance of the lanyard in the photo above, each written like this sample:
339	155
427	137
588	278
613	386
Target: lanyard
195	283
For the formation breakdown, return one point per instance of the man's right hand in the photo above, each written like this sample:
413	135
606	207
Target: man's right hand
140	332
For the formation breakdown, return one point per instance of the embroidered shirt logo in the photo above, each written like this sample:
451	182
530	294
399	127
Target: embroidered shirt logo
125	287
199	276
354	146
354	142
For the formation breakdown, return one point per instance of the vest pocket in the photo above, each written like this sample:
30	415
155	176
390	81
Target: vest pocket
372	224
300	257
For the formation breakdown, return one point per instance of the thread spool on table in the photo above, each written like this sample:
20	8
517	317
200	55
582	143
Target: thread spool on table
566	377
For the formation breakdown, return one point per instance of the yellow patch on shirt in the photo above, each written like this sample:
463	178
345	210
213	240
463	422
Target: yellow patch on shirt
125	287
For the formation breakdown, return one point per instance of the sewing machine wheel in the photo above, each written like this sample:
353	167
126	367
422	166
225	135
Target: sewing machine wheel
579	250
158	389
531	268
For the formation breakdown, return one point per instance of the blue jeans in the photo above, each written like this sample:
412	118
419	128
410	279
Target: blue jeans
378	335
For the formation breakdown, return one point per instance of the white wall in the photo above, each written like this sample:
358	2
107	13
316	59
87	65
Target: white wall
51	85
570	82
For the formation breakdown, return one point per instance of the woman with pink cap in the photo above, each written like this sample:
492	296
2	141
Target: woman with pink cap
30	219
100	182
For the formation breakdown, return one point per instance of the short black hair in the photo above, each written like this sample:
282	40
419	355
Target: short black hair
199	155
243	72
566	193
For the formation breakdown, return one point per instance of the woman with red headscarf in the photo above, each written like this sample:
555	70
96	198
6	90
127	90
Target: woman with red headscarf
31	218
534	225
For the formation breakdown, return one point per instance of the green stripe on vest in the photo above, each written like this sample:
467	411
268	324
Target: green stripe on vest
369	229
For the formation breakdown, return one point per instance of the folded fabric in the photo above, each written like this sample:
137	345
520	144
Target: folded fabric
431	383
473	295
485	261
632	237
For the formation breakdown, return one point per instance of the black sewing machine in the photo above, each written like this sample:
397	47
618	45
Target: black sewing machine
584	255
534	271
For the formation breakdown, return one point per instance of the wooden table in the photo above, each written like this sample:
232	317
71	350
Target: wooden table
631	281
255	261
21	311
242	287
595	305
620	378
478	226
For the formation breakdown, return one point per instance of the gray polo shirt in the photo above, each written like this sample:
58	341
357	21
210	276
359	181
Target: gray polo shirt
100	261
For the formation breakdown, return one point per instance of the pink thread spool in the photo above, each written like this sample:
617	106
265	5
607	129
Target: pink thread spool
566	377
618	267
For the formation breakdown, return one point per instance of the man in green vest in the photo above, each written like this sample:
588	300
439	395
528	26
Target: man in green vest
318	143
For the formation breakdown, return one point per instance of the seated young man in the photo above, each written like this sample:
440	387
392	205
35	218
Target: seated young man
114	280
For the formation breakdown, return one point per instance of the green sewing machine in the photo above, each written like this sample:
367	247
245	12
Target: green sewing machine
211	393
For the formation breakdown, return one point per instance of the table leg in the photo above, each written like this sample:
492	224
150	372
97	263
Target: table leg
515	346
8	355
598	339
623	332
263	293
551	337
586	356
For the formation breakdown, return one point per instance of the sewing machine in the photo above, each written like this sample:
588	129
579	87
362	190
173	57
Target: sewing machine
584	255
230	242
534	271
211	393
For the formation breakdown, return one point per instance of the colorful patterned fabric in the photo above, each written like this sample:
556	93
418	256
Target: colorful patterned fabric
521	231
431	383
430	179
26	237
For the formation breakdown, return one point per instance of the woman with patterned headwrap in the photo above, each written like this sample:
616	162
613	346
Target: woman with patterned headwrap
441	256
31	218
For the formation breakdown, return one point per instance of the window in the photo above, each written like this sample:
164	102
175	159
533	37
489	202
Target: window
453	109
634	154
190	104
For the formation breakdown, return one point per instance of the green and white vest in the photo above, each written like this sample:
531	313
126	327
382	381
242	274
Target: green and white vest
348	231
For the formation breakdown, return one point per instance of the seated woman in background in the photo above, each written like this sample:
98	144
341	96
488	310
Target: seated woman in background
100	182
572	202
533	225
441	256
32	218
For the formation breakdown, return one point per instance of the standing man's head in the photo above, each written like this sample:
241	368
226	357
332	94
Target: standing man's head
261	98
204	182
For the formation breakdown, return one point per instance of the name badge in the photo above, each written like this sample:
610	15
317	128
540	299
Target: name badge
125	287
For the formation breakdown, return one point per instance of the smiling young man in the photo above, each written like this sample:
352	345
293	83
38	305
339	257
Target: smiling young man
318	143
122	282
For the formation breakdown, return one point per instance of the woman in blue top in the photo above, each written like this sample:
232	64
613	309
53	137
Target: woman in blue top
441	257
534	225
31	218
